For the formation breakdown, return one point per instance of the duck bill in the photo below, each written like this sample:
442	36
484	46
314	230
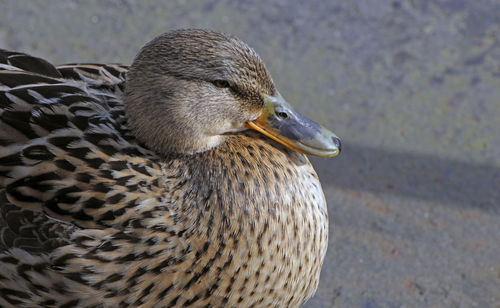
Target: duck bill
280	122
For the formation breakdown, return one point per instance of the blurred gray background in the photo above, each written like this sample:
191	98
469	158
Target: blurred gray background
412	88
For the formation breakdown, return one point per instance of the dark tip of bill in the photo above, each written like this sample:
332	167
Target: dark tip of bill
336	141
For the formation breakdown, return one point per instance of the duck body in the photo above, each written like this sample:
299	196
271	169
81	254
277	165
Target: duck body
91	217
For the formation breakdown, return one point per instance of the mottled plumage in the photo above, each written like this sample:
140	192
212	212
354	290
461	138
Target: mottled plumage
94	214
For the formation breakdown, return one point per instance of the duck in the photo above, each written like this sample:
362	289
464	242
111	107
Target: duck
179	181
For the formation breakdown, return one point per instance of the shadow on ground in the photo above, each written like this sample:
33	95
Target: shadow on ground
419	176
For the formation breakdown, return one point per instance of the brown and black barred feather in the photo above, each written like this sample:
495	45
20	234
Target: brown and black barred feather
89	217
65	148
65	153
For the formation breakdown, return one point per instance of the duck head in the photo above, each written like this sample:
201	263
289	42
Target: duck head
188	89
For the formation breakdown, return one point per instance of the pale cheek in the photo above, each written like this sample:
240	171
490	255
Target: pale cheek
229	117
228	126
238	126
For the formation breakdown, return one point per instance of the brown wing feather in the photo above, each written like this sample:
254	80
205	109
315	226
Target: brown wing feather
31	231
65	148
11	60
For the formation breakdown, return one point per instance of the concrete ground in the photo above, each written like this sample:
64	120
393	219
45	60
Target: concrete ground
411	87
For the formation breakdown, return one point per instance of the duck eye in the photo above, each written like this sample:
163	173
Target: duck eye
221	84
282	115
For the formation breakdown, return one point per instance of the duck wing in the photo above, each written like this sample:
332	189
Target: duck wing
65	148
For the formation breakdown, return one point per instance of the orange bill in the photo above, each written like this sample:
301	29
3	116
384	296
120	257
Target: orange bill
281	123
